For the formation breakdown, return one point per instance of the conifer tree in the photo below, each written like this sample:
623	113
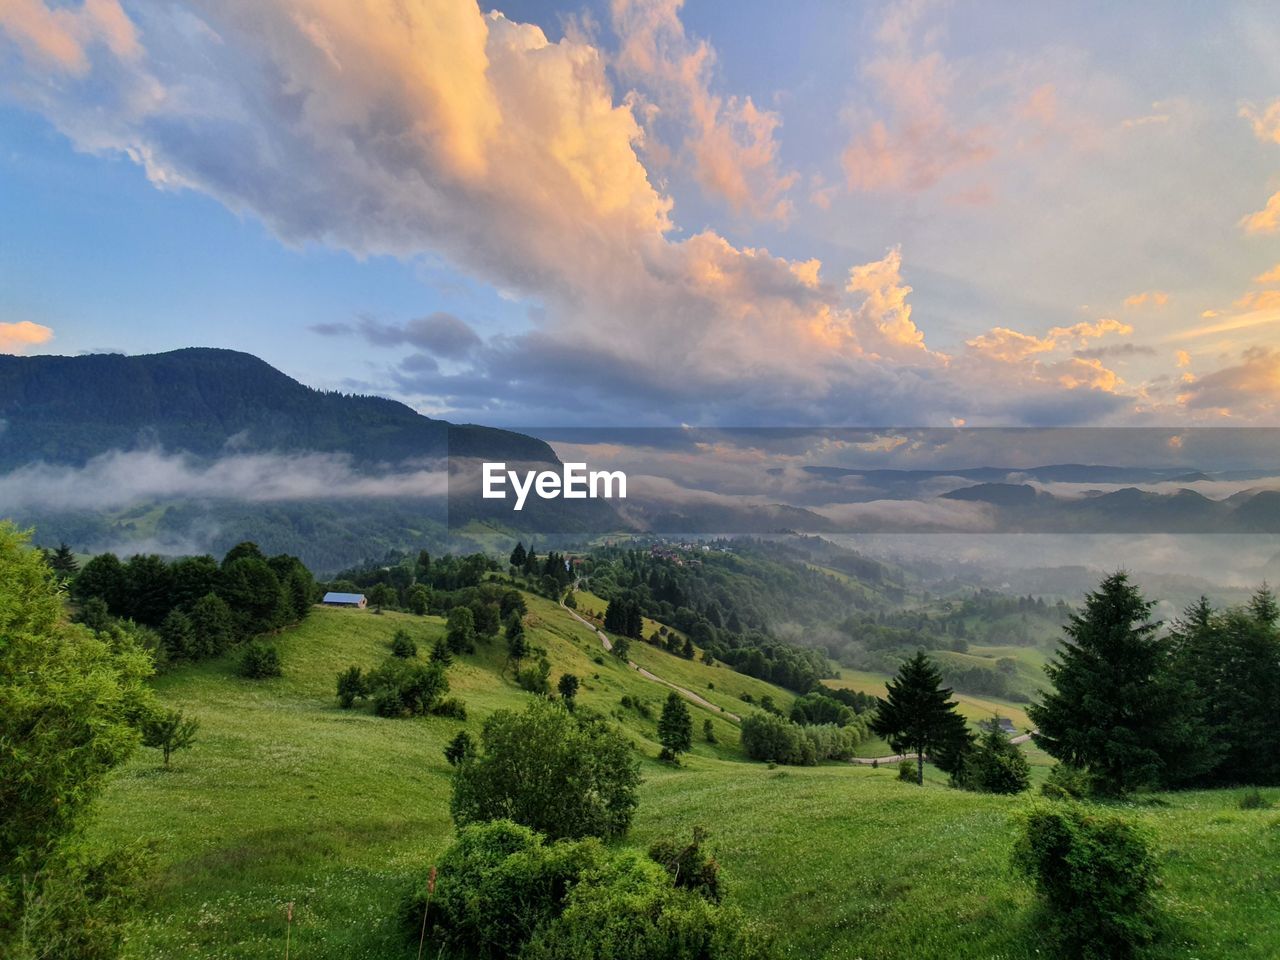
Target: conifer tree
919	717
1117	708
675	728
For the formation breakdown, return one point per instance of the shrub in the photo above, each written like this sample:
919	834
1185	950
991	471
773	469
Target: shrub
907	771
402	689
994	765
258	661
689	868
708	731
547	770
1093	874
629	910
351	686
169	730
1254	800
450	707
767	736
1066	782
536	678
402	645
460	748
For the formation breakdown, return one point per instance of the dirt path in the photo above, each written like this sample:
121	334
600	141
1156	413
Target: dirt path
703	702
648	675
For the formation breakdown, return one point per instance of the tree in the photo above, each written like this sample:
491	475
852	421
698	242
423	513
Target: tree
402	645
460	630
517	645
1263	606
621	648
995	764
259	661
253	593
460	749
518	556
103	577
178	634
169	730
382	595
1117	709
708	731
63	562
213	625
675	728
440	653
919	716
351	686
568	689
418	599
546	769
70	702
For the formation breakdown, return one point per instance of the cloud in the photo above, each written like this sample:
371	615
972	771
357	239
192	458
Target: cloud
1266	220
17	337
1265	121
731	143
121	479
1248	389
1119	350
441	334
429	127
919	143
1147	298
1269	276
58	38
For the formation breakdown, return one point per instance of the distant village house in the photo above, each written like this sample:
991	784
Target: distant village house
344	600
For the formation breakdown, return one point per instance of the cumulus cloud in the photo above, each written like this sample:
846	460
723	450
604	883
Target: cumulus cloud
730	142
428	126
17	337
121	479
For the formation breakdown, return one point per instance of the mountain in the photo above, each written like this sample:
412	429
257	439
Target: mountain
62	418
208	402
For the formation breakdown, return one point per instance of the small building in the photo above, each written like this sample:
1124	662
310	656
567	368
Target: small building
1003	723
332	599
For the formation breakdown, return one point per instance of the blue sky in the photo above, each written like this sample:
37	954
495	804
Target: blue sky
905	212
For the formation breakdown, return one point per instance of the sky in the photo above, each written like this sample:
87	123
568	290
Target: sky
654	213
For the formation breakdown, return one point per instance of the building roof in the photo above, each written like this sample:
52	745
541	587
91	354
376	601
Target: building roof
343	597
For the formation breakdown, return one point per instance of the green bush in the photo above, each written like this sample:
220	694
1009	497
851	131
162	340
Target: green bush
504	891
404	689
1093	874
546	769
630	911
258	661
402	645
908	771
994	765
1254	800
351	686
536	678
460	748
689	867
450	707
770	737
1066	782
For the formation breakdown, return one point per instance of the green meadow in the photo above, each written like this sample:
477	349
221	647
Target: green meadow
285	798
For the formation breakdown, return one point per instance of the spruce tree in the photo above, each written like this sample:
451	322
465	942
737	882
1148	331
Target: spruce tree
918	716
675	728
63	561
1117	708
518	556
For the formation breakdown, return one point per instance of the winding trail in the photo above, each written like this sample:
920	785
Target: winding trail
708	705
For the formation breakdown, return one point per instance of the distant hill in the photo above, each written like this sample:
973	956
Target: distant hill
207	402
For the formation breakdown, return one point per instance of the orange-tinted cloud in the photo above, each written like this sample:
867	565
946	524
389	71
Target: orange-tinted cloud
730	142
17	337
1265	121
1248	389
1152	298
1269	276
58	37
1266	220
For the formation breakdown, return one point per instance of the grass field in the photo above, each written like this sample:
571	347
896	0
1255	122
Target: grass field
285	798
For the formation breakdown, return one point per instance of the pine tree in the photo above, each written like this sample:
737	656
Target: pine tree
1117	708
168	731
518	556
918	716
675	728
1263	606
517	645
63	561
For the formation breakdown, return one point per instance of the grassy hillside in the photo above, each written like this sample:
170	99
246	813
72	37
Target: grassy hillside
285	798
